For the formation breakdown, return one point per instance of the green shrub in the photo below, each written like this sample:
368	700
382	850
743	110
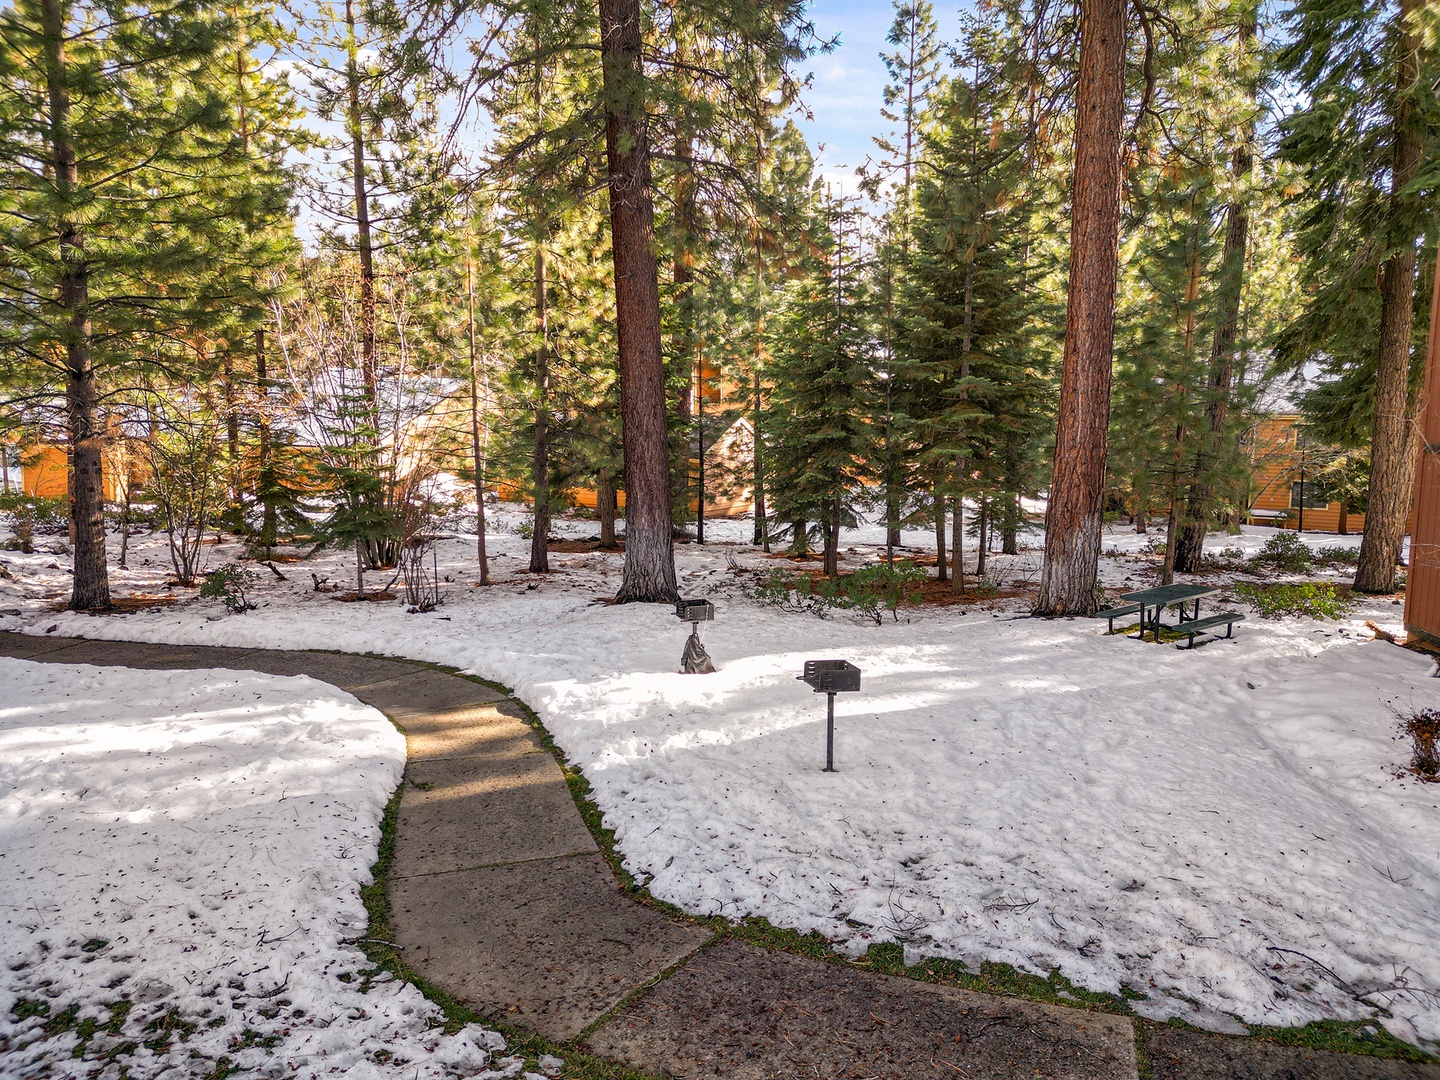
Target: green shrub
228	585
1312	600
869	591
29	515
1285	551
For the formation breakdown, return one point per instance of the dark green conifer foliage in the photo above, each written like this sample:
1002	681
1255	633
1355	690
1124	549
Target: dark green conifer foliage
966	346
817	435
1365	139
133	197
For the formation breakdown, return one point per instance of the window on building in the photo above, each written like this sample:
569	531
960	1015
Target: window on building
1315	495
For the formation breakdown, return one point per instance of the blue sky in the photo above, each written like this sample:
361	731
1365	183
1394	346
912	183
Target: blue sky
848	82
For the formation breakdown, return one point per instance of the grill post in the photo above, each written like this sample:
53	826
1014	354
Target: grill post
830	731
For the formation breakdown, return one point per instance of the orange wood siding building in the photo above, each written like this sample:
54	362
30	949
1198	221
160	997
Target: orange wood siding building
1422	583
45	472
1281	462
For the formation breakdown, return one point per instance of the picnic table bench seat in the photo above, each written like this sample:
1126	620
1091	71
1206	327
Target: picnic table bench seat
1227	619
1116	612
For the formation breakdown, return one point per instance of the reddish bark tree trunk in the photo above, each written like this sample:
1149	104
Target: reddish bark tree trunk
1394	435
649	573
606	507
1073	519
477	443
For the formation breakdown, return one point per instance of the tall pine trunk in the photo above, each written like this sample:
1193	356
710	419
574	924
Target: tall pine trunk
1200	500
364	244
1073	518
957	548
757	451
266	481
942	572
90	590
377	552
540	459
1395	432
983	548
235	512
477	444
649	573
831	548
606	507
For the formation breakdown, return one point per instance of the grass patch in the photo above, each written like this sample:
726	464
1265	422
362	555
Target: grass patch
1344	1037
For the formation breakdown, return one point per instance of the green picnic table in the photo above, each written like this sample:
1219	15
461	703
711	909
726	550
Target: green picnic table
1150	603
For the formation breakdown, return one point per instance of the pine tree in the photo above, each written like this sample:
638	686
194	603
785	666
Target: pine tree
132	187
1368	124
816	428
965	308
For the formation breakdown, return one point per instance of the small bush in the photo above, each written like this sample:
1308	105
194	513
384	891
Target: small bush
1285	551
228	585
1311	600
869	591
29	516
1227	558
880	586
1349	556
1423	730
1153	546
792	592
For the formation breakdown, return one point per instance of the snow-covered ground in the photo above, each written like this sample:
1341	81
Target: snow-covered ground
194	844
1228	831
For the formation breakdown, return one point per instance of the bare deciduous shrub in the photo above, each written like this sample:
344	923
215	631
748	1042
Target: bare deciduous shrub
1423	731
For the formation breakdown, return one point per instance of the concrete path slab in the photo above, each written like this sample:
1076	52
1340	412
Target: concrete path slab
345	670
1189	1055
744	1013
24	646
469	731
549	945
424	694
478	811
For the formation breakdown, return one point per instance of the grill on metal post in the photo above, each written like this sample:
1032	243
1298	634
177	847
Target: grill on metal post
695	660
830	677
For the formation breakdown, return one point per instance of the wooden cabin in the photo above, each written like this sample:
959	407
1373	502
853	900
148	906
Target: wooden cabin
1422	583
1288	483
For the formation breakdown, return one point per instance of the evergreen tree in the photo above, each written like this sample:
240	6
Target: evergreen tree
134	196
965	308
820	351
1367	125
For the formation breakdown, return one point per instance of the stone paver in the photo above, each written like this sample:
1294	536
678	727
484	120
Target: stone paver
464	812
25	646
1187	1055
468	731
745	1013
425	694
550	945
499	894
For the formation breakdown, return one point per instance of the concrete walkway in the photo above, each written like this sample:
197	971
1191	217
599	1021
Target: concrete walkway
499	895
